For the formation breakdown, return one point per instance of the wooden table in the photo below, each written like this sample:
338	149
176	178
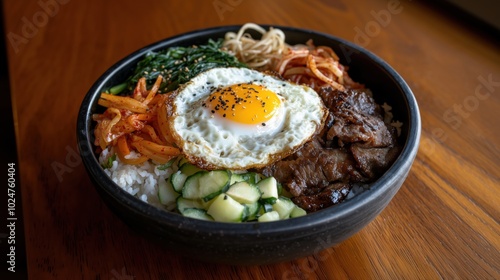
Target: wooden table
443	223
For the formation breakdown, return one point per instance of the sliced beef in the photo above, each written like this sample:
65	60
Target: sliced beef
331	195
355	146
357	118
313	168
374	161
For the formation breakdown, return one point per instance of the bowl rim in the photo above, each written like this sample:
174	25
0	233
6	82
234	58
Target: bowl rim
300	224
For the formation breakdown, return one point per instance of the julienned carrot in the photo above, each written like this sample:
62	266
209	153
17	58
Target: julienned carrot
133	123
122	102
122	145
311	64
140	90
159	153
153	90
102	131
314	66
149	130
163	123
161	149
138	121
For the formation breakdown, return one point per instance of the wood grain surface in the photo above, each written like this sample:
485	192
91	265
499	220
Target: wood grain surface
442	224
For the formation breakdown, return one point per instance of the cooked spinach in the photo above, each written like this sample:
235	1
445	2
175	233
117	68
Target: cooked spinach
178	65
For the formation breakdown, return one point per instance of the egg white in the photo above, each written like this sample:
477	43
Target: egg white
213	143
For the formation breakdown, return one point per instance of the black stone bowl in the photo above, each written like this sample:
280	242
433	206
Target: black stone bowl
253	242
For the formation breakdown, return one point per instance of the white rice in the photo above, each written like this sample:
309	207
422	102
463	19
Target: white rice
357	189
388	118
138	180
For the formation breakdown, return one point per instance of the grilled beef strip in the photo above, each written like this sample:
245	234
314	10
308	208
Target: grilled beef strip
333	194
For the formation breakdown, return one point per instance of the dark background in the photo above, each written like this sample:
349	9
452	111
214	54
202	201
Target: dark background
8	154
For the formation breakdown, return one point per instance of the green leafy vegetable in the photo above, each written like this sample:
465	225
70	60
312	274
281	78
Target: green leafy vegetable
109	162
118	88
178	65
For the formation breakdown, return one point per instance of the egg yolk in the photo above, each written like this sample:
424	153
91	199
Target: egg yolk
244	103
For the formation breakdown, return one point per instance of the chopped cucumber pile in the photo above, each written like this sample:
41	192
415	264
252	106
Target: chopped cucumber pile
225	196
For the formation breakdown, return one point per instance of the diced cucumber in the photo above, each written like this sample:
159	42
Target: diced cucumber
197	214
243	192
268	201
177	180
166	192
182	161
252	177
297	212
238	177
246	213
188	169
279	187
191	188
226	209
183	204
252	210
213	183
269	189
206	204
206	184
264	208
256	177
269	217
284	207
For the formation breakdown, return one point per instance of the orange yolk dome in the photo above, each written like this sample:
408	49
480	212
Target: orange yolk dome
244	103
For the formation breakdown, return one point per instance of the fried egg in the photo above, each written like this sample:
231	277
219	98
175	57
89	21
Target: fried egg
239	118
